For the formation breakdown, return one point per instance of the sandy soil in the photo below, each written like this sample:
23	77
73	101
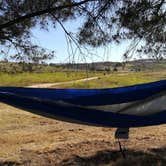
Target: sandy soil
28	139
49	85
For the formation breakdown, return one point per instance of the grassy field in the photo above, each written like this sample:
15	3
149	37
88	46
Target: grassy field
114	79
119	79
25	79
16	74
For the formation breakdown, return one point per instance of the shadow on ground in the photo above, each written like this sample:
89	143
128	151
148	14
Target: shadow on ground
9	163
154	157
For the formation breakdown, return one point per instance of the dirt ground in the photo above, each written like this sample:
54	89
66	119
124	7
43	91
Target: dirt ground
49	85
28	139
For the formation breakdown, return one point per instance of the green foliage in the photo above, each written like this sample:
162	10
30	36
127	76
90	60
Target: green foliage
141	21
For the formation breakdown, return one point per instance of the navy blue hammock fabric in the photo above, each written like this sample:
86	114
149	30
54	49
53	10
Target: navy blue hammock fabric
131	106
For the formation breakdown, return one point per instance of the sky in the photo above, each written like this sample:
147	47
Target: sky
54	39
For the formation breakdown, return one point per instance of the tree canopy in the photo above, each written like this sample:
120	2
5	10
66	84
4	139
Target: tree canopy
105	21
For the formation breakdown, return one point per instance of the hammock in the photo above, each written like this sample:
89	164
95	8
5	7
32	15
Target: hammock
124	107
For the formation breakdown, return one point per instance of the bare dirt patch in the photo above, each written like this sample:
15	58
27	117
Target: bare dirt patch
49	85
28	139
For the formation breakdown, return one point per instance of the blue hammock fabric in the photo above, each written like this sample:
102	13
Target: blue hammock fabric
83	105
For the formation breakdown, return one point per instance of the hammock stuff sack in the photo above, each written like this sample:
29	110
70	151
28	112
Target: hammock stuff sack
124	107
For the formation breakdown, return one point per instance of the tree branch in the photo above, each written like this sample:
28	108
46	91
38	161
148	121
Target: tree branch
38	13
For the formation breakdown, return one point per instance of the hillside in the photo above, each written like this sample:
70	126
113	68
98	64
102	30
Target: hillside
136	65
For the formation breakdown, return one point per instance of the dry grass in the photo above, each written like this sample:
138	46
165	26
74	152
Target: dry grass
28	139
